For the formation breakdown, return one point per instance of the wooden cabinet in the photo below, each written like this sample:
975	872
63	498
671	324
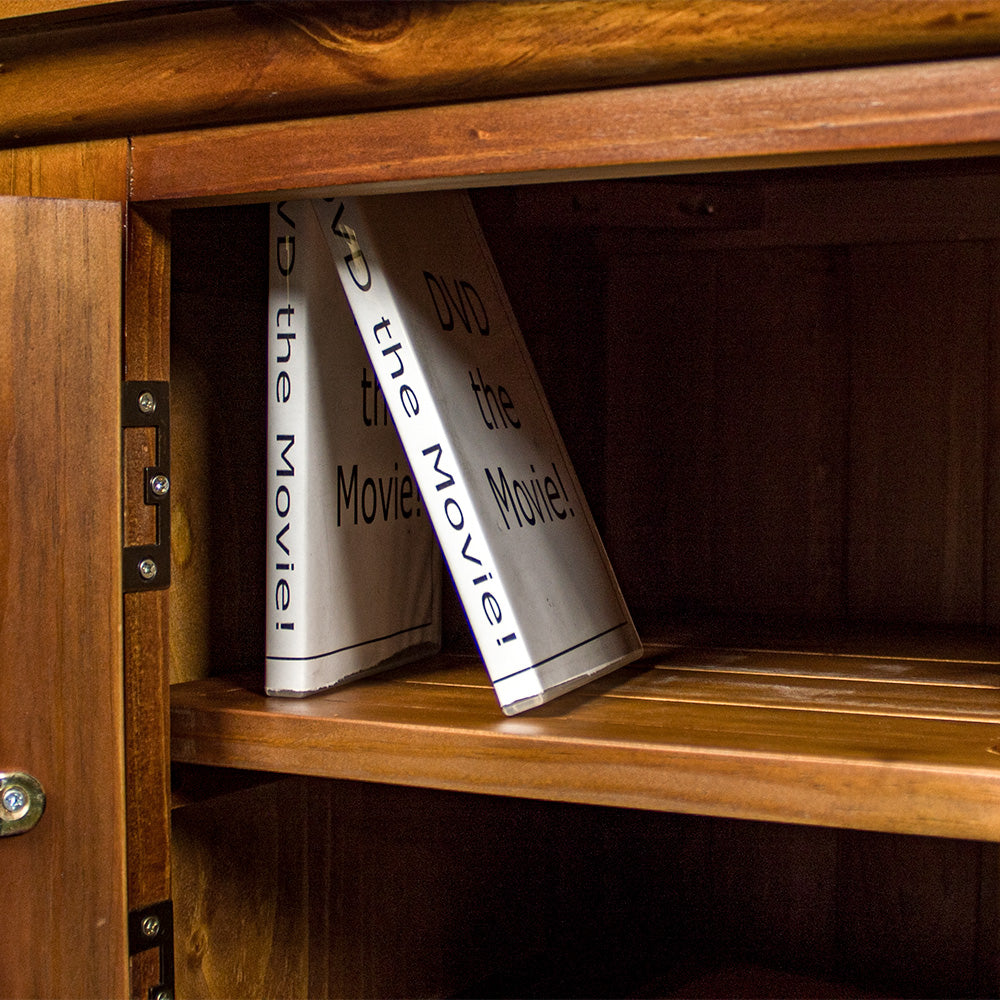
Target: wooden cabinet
756	255
61	626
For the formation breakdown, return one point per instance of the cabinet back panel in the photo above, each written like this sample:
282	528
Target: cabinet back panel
769	416
736	479
818	447
796	416
920	331
313	887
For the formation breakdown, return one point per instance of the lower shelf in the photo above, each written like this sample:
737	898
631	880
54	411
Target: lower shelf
858	737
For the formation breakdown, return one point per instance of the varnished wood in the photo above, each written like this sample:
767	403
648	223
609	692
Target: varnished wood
839	742
50	12
761	528
317	888
147	296
775	380
146	356
97	170
257	62
945	871
416	892
936	109
890	736
241	907
61	630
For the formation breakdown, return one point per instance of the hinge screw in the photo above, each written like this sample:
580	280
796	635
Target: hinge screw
151	926
15	799
163	993
147	569
147	402
160	485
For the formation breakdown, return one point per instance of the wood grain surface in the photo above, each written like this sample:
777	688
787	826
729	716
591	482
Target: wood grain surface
97	170
127	73
61	627
241	872
146	349
880	744
884	736
936	109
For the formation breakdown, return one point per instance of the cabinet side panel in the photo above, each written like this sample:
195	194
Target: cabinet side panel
146	357
60	595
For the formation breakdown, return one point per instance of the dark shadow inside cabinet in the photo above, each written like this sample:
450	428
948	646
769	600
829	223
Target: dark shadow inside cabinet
777	389
313	888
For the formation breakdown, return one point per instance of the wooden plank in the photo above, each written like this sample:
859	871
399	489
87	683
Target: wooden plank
970	680
991	528
779	397
943	645
610	744
61	629
96	170
241	873
918	432
747	886
99	170
766	685
780	680
757	383
146	615
399	864
123	74
34	11
889	203
660	347
938	109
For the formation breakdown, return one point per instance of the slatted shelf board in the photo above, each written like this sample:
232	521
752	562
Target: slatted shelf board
877	742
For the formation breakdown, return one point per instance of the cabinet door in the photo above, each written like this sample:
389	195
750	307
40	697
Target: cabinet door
64	888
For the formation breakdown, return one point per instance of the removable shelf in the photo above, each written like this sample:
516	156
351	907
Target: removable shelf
842	732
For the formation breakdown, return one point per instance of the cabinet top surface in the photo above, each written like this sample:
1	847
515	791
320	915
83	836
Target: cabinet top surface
81	69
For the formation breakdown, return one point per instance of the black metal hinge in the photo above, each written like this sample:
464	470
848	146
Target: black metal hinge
153	927
147	404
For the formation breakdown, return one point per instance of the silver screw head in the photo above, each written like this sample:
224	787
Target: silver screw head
147	402
151	926
160	485
15	799
147	569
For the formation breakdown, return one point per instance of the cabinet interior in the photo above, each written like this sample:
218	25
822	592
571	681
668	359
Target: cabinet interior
778	391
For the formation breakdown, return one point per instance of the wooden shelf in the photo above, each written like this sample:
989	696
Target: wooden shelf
933	110
906	744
